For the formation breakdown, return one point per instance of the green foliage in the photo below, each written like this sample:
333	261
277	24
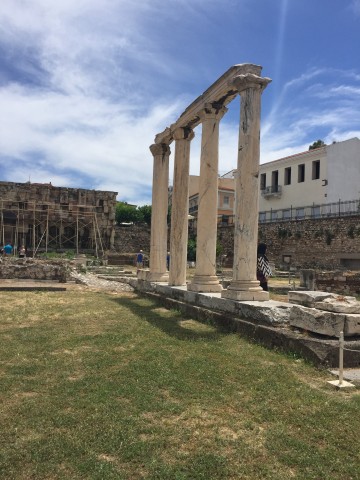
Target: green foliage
317	144
329	236
283	233
319	233
352	231
191	250
130	213
145	213
219	249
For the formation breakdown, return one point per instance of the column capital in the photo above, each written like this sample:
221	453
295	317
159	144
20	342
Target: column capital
183	133
249	80
212	110
160	149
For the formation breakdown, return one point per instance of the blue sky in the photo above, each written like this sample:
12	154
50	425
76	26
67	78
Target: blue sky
85	86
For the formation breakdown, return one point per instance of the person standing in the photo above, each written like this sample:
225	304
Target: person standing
263	269
140	259
8	249
22	251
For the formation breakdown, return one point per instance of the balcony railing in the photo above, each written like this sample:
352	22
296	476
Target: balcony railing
273	191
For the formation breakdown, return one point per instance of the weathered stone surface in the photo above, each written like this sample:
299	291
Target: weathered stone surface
352	325
268	313
317	321
35	269
308	298
339	304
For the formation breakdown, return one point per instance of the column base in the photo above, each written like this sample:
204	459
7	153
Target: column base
148	275
205	283
245	291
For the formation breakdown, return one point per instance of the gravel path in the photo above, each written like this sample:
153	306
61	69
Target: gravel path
91	280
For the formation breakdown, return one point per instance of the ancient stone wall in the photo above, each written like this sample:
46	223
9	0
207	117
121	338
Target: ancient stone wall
132	238
34	269
328	243
41	215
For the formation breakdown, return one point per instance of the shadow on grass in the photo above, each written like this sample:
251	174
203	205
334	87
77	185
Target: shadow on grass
171	322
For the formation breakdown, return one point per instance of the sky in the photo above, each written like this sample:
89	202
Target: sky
86	85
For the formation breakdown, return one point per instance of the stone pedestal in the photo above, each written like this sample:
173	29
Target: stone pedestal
158	247
244	285
205	279
180	207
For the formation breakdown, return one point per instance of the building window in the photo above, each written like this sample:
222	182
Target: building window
275	180
301	173
226	201
316	170
263	181
287	176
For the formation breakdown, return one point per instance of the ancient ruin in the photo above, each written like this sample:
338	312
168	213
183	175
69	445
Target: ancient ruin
44	217
209	109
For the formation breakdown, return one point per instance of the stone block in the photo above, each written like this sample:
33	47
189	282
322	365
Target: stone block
308	298
317	321
352	325
339	304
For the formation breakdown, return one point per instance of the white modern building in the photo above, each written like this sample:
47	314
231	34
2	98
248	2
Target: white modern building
313	183
325	175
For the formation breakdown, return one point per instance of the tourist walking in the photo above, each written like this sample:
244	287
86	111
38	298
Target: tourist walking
263	269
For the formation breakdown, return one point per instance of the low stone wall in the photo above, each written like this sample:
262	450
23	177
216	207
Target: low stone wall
34	269
347	283
341	282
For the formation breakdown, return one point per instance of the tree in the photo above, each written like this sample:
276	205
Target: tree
145	214
191	250
126	213
317	144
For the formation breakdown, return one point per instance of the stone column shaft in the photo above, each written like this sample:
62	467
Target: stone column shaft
159	211
180	207
205	279
244	285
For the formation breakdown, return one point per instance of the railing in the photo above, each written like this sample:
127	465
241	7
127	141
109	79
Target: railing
325	210
274	190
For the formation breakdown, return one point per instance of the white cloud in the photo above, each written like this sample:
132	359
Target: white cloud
355	6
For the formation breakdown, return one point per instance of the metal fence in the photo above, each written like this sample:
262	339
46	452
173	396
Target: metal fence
325	210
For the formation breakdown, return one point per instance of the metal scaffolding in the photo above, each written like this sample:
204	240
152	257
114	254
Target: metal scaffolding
46	226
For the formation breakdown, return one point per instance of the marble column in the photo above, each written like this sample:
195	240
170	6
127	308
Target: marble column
180	206
244	285
159	211
205	278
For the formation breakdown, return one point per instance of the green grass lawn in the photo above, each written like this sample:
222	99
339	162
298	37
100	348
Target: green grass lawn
98	386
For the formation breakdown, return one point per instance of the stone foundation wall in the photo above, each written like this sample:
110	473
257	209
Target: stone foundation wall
132	238
326	243
346	283
34	269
